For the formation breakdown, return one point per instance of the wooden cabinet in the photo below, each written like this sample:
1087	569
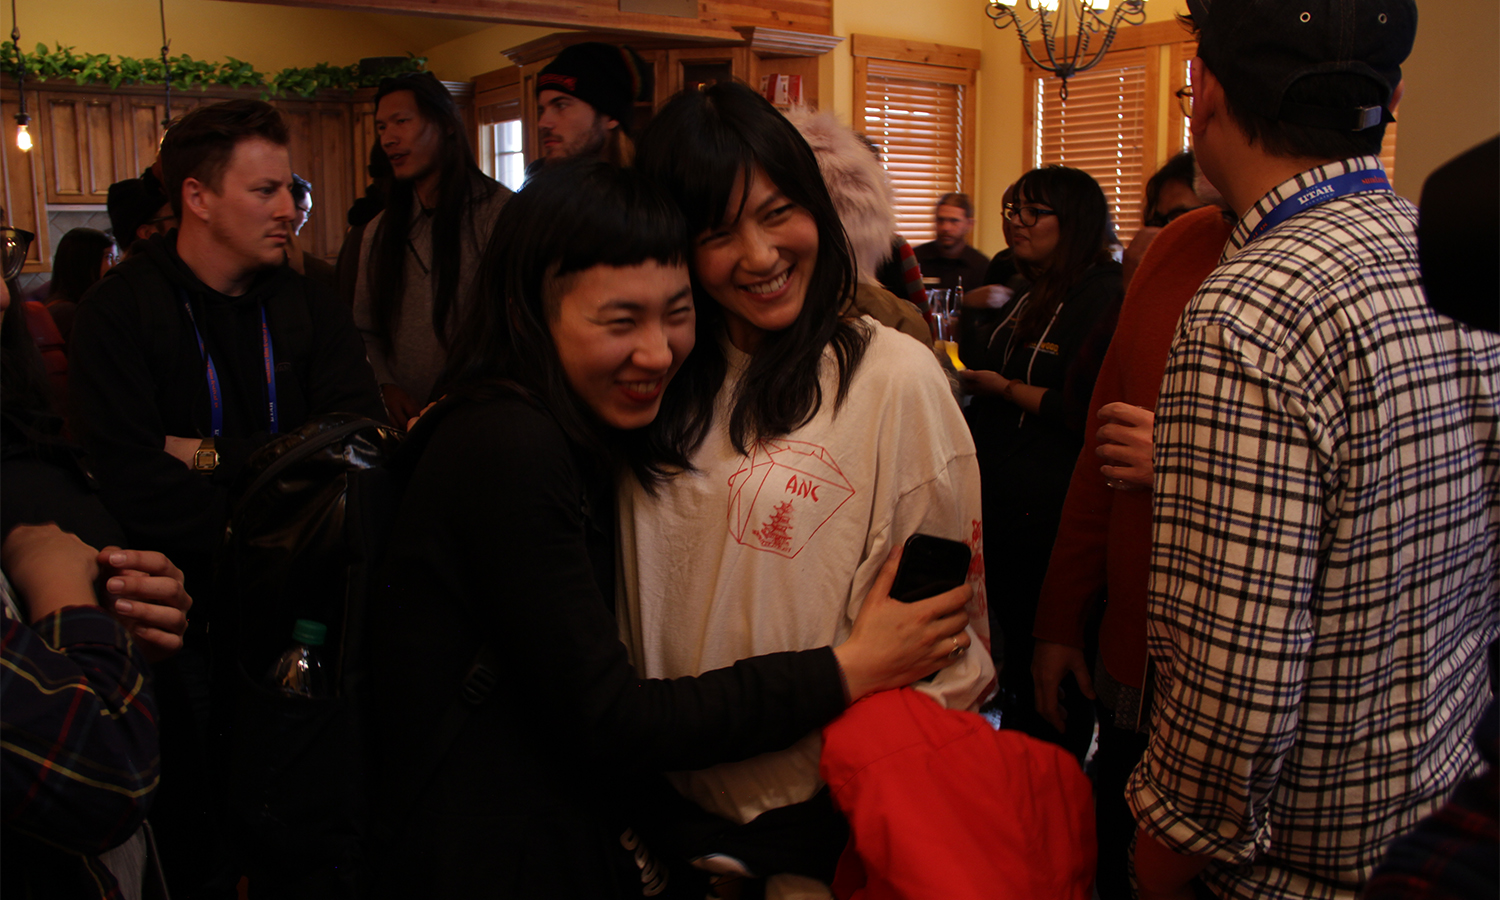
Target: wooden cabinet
322	151
87	138
143	116
79	138
22	181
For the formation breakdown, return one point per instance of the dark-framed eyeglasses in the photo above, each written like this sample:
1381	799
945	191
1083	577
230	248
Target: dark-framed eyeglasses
14	242
1027	215
1185	100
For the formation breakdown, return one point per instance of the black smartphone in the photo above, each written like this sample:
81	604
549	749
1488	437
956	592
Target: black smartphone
929	566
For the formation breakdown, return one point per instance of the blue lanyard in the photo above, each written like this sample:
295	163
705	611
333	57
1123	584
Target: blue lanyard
1322	192
215	396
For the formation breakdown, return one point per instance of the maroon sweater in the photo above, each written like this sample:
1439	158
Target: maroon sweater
1104	541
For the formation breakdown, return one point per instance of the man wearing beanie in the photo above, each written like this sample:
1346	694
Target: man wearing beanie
586	103
1325	520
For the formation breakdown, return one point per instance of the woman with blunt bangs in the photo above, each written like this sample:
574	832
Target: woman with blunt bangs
503	554
828	442
1031	374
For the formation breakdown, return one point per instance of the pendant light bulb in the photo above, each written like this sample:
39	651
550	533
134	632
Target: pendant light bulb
23	133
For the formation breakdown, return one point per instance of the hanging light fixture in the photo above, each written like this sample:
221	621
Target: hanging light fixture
1052	21
166	69
23	121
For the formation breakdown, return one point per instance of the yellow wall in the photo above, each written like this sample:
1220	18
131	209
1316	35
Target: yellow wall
270	37
1000	157
474	54
1452	100
1452	97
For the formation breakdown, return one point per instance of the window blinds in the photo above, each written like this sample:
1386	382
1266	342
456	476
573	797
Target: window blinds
918	123
1101	129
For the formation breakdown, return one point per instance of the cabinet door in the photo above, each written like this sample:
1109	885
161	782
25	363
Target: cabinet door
22	185
322	152
143	129
80	137
701	66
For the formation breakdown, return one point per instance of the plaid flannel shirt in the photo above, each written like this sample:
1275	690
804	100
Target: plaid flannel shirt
78	745
1323	576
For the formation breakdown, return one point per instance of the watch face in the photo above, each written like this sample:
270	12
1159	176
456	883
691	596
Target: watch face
205	460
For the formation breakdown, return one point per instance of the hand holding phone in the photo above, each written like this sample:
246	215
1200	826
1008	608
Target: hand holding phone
894	644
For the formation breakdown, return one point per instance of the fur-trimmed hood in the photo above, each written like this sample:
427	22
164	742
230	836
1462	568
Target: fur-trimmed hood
860	188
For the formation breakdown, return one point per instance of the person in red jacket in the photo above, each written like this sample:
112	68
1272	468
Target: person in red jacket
1104	540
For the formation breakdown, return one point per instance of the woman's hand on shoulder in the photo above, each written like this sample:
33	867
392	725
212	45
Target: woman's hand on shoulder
894	643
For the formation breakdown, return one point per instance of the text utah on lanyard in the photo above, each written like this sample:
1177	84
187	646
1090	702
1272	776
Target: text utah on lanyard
215	395
1321	192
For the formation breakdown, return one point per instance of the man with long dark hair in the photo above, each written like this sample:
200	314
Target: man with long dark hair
1326	528
420	254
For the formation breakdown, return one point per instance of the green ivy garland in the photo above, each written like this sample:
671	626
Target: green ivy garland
103	69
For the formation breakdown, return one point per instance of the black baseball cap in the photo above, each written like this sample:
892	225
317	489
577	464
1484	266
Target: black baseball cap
1258	48
132	203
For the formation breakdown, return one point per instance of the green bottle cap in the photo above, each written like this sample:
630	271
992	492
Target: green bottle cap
308	632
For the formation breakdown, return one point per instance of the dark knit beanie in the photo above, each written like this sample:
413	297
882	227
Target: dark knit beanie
609	78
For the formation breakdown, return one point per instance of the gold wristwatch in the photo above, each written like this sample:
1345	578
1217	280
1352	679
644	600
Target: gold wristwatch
205	458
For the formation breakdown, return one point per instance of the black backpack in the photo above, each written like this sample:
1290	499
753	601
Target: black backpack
308	519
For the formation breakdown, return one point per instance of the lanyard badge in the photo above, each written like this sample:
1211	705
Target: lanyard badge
215	394
1320	193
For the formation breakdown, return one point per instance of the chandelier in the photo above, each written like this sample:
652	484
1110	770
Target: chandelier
1069	29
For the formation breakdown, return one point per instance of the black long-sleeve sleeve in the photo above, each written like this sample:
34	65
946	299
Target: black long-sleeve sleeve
137	375
494	522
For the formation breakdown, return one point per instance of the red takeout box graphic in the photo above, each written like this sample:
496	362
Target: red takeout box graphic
783	493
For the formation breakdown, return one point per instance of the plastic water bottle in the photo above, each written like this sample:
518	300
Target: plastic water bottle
299	671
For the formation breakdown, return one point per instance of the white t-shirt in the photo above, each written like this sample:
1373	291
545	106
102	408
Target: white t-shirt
775	550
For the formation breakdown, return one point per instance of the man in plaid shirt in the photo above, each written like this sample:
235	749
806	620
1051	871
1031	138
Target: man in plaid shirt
1327	491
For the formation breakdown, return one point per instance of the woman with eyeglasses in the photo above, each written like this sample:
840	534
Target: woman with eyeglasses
1030	373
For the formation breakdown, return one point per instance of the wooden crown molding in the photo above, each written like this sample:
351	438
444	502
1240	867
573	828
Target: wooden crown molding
601	15
773	42
764	42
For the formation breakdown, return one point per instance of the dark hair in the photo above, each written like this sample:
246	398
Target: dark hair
568	218
76	265
1180	169
461	186
199	144
696	147
959	200
1084	238
24	388
1337	90
301	188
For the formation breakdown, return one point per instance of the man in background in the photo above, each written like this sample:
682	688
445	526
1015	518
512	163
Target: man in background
139	208
586	103
319	270
949	258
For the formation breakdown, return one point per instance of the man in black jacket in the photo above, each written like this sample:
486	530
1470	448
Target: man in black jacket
186	358
189	357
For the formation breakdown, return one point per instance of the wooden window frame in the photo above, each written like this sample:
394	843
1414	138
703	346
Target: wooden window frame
929	62
1160	137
